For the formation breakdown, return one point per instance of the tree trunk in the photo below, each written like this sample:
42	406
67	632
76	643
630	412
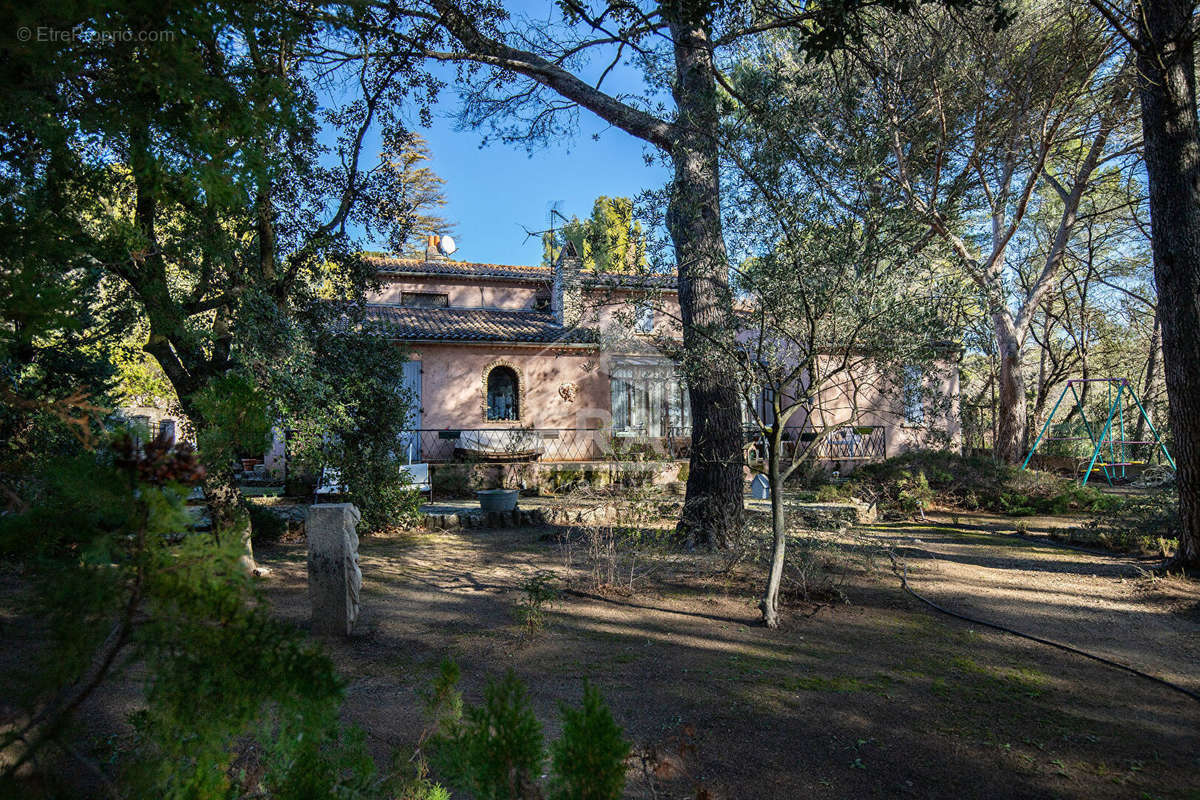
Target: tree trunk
770	600
230	519
226	508
1171	131
1010	429
713	512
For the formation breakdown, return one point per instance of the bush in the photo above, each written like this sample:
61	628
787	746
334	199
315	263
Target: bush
924	478
119	580
265	524
540	592
589	757
828	493
1146	524
496	751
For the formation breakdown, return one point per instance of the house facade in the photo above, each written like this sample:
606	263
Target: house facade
557	364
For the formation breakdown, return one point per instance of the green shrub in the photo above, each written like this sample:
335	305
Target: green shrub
829	493
454	480
381	490
589	757
563	480
496	749
119	580
265	524
1147	524
914	491
925	478
540	592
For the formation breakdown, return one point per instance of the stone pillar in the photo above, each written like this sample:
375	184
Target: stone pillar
334	578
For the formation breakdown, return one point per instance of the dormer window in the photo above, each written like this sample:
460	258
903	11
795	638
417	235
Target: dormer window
424	299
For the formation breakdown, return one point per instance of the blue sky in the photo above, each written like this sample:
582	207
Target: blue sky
494	191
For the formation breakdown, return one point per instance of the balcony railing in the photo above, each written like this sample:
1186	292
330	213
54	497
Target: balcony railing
539	444
850	443
856	443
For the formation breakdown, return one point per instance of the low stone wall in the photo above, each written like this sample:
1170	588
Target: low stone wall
463	480
567	512
452	520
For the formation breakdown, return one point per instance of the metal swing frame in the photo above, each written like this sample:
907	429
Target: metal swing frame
1118	455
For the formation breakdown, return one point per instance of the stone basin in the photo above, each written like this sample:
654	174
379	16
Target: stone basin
497	499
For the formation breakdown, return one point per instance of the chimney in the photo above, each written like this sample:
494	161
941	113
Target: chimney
566	297
431	249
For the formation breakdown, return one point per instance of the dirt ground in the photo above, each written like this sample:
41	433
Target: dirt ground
881	697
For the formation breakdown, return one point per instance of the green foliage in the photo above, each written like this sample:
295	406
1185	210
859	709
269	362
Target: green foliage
540	591
973	483
346	409
610	240
830	493
589	757
496	749
417	195
214	219
914	491
118	580
236	417
1147	524
265	524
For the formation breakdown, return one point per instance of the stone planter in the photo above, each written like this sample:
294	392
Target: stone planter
497	499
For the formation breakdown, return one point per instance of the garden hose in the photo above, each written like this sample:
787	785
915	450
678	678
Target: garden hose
903	576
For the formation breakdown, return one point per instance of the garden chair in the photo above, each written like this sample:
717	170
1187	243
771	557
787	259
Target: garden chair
329	485
419	475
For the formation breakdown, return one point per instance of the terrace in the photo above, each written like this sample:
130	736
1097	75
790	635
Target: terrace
554	445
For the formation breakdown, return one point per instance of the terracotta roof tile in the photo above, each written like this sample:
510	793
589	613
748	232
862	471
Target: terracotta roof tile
475	325
473	269
465	268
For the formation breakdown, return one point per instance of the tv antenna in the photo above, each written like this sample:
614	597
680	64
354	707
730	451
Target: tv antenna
552	212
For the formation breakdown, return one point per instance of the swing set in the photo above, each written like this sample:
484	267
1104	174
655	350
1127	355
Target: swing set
1111	454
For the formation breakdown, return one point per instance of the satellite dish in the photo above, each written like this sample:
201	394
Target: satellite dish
446	245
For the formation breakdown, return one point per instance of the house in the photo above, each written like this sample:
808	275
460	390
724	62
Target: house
562	364
560	359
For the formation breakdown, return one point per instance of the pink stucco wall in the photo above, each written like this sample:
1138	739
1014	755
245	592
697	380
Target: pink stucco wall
875	398
453	375
452	391
452	386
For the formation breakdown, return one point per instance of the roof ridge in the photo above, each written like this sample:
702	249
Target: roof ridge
453	263
489	309
476	324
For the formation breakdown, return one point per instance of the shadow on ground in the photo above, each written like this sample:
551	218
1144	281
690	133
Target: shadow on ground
879	698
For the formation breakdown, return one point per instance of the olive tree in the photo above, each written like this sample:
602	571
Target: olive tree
842	320
213	204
